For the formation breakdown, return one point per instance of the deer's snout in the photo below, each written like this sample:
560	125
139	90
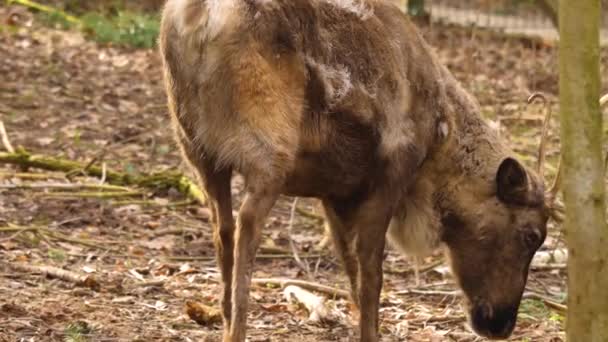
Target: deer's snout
494	322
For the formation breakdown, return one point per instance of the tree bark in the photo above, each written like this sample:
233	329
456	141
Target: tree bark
583	183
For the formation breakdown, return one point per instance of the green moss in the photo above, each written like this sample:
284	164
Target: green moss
123	29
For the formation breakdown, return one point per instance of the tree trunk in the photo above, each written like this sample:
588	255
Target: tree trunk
583	183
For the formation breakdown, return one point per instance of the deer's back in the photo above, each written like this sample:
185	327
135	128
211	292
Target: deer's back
325	95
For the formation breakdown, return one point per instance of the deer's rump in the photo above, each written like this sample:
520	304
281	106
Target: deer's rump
316	93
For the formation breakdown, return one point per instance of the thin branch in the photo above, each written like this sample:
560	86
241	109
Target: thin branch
66	186
284	282
548	302
31	176
429	293
557	182
59	273
47	9
294	249
604	101
5	140
93	194
545	131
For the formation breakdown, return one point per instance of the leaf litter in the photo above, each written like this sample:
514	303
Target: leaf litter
153	263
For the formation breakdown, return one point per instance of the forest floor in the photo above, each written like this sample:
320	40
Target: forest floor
152	252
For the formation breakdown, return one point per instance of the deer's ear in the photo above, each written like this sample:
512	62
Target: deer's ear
511	182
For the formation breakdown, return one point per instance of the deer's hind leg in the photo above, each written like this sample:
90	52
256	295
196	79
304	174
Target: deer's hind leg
359	227
343	237
258	202
216	184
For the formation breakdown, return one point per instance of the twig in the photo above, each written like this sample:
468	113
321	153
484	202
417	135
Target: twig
604	101
35	176
428	293
294	249
543	139
284	282
549	267
5	140
557	182
550	303
59	273
65	186
103	173
98	194
44	8
153	203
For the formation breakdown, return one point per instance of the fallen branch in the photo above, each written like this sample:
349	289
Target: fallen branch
284	282
154	181
313	303
58	273
47	9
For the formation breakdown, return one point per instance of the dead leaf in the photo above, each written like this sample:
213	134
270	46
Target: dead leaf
203	314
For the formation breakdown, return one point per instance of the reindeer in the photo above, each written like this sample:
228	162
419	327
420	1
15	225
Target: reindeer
343	100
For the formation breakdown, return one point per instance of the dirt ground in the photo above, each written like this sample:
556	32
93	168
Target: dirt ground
152	252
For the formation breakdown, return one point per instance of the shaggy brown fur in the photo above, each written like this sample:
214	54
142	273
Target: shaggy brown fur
343	100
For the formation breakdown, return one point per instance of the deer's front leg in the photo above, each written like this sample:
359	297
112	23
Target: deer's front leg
370	250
